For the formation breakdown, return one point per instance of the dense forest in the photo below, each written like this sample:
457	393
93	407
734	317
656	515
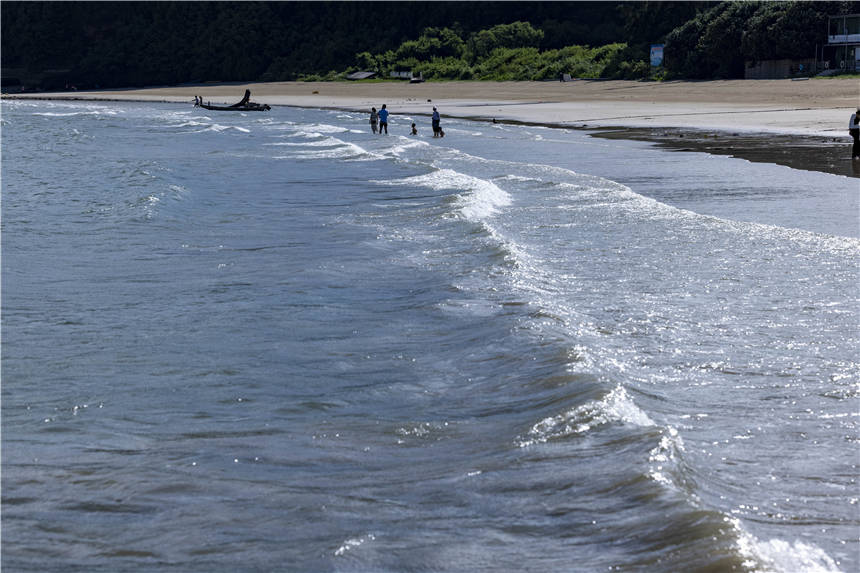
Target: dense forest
125	44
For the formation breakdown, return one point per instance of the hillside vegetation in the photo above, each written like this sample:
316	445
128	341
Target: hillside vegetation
124	44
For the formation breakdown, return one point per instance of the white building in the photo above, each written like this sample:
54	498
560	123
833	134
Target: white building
842	50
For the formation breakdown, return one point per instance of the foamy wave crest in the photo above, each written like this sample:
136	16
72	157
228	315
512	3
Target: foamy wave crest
305	134
480	198
665	459
484	200
325	142
219	128
588	191
520	178
74	108
73	113
328	148
348	151
617	406
779	556
190	123
400	149
326	128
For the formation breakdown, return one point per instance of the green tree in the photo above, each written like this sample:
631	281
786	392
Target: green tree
781	30
721	41
681	54
516	35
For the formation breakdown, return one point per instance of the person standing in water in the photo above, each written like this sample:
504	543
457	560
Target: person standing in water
854	130
374	117
383	120
436	119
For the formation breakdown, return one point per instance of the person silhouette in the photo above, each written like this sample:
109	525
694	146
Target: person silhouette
854	130
383	120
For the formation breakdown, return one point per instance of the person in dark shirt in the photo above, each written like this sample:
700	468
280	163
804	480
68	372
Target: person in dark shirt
854	130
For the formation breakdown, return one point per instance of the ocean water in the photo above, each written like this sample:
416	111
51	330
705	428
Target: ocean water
276	342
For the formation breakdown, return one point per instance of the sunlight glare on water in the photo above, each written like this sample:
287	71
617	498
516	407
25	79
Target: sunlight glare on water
276	341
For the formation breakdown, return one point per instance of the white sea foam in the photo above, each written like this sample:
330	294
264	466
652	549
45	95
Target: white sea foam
477	200
325	142
588	192
400	149
343	151
305	134
780	556
512	177
326	148
190	123
219	128
76	113
326	128
617	406
665	457
353	543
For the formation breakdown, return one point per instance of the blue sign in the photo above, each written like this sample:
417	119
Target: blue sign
656	55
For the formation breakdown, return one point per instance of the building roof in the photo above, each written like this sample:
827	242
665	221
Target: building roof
360	75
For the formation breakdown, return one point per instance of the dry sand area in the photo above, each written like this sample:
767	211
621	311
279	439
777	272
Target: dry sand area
797	123
809	107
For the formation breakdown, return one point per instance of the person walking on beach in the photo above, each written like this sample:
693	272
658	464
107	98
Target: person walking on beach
383	120
374	117
854	130
436	119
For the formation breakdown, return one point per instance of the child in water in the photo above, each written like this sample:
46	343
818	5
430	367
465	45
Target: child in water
414	130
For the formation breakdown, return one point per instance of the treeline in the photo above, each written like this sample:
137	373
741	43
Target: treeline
502	53
714	43
125	44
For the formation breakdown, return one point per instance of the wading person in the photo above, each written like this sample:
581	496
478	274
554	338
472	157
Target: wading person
383	120
854	130
374	117
436	119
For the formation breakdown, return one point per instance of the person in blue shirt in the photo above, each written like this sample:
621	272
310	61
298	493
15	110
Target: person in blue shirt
436	119
383	120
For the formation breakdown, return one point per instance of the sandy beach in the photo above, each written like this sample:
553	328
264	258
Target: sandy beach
806	120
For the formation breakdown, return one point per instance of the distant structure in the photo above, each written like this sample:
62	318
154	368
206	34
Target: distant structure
779	69
842	50
839	53
361	75
411	76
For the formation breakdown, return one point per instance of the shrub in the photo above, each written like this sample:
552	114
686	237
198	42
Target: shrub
446	69
512	36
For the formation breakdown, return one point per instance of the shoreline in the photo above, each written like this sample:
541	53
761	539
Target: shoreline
799	124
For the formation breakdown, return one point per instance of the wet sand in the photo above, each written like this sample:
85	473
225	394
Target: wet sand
802	124
811	153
